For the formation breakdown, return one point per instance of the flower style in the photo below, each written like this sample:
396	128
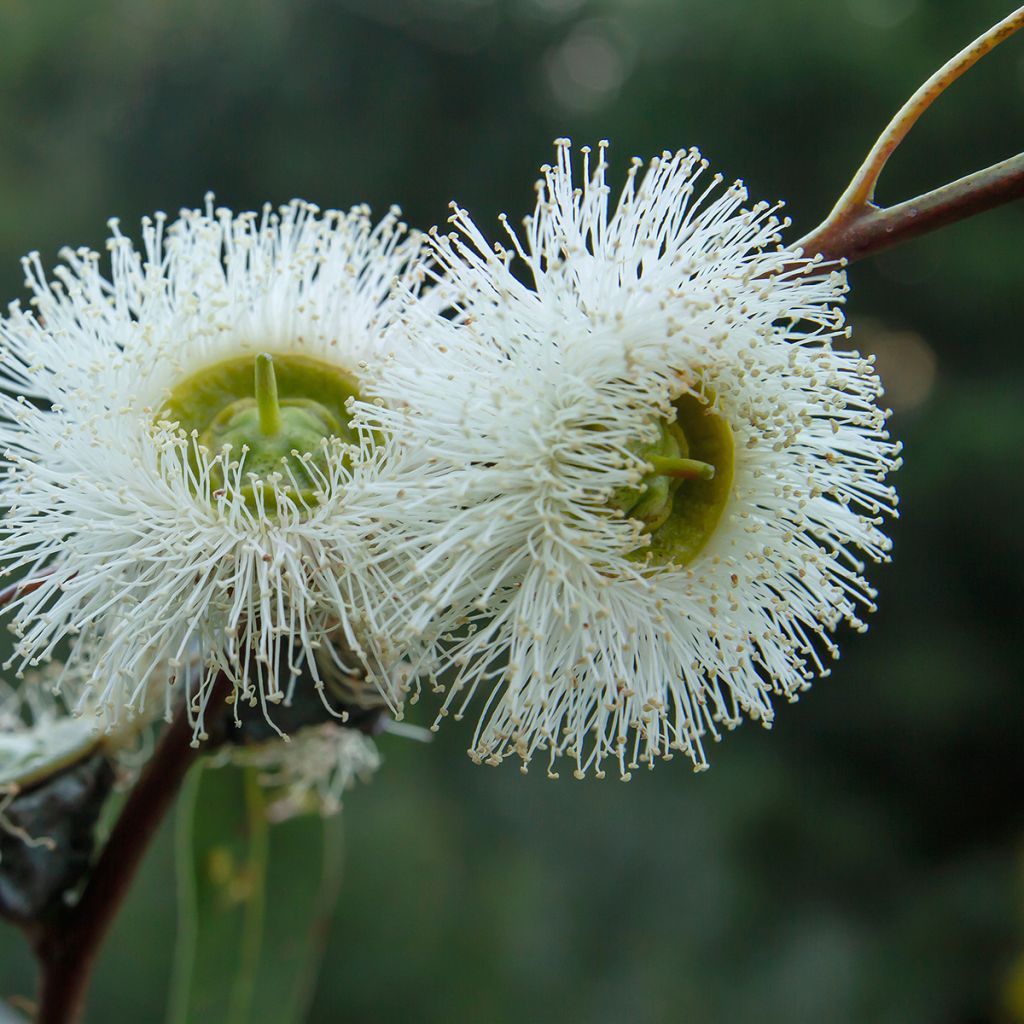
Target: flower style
186	493
663	474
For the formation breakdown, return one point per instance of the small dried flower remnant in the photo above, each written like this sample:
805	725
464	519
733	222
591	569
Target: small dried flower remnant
311	773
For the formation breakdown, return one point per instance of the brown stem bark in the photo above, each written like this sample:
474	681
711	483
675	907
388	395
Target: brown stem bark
868	229
67	946
857	227
13	590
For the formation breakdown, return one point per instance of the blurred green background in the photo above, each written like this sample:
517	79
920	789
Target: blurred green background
862	862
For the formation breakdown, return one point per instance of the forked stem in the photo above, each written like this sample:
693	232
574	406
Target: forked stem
857	227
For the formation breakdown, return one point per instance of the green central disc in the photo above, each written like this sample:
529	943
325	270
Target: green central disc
266	407
681	514
199	399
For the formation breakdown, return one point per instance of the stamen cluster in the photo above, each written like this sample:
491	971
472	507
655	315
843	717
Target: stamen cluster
614	482
591	634
153	556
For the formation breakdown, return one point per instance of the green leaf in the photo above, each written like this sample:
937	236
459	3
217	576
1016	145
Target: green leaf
254	899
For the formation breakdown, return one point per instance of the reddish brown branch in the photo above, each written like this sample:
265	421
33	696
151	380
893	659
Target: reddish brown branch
857	227
13	590
869	229
68	945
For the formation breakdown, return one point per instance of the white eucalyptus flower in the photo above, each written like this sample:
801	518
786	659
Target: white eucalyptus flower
185	491
663	468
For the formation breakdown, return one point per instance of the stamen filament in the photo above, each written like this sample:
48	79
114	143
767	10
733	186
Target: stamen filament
266	395
681	469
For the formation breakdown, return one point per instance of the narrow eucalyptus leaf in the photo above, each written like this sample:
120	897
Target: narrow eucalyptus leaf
221	853
253	898
304	869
